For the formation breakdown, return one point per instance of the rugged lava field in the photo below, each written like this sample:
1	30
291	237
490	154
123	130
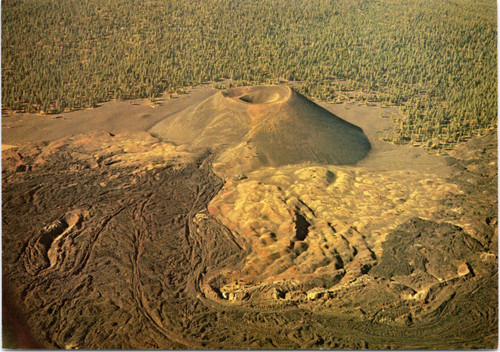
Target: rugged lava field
244	234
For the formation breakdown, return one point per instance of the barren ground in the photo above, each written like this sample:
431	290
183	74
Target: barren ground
115	239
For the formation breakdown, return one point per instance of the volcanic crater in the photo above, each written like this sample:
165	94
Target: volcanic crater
264	126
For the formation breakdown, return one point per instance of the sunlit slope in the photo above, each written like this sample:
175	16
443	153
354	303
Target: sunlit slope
265	126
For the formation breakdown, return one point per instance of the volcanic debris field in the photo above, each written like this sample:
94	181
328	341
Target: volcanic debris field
245	218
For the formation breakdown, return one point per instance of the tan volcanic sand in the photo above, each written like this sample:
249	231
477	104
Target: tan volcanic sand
137	150
114	117
7	146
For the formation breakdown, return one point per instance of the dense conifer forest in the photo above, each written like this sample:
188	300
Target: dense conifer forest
436	60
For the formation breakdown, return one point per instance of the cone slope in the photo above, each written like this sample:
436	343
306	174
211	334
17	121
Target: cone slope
249	127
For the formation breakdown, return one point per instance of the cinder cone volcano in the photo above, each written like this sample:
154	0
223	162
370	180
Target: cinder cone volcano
249	127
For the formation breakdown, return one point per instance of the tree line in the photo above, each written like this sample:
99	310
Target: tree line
436	60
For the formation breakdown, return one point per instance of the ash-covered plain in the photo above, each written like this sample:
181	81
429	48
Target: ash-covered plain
245	218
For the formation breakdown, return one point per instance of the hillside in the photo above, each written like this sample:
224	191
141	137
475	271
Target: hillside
264	126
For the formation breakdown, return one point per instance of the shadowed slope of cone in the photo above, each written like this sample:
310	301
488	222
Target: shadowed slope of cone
258	126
